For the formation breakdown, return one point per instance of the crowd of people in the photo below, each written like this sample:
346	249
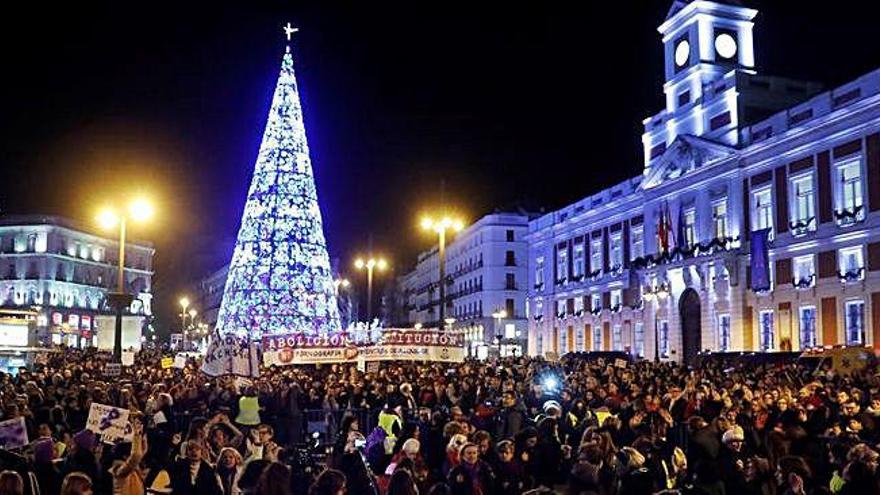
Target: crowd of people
497	427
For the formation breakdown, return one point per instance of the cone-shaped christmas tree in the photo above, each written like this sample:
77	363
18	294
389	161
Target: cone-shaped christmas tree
279	279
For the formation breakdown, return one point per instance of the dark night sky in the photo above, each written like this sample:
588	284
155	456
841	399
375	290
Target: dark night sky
534	105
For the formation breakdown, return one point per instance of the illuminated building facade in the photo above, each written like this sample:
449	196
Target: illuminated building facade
54	267
486	275
667	264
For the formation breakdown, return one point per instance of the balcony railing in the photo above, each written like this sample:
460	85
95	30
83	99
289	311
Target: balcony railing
849	216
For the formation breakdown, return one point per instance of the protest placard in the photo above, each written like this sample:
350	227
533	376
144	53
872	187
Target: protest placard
111	423
127	358
112	370
13	433
167	362
620	363
180	361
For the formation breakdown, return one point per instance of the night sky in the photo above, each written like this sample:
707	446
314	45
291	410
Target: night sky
532	106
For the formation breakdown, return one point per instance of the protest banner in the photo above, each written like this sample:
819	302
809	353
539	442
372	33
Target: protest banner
13	433
394	345
111	423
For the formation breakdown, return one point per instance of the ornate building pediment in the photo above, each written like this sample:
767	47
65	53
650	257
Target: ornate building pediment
686	154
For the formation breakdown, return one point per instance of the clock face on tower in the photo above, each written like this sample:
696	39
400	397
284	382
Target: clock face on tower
682	53
725	45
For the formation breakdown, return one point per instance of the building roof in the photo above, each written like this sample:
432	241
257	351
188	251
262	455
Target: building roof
30	220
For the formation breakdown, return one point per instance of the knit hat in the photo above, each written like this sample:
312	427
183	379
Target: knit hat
734	434
411	446
85	440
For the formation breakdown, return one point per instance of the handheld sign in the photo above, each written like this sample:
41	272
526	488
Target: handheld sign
127	358
167	362
620	363
180	361
112	370
109	422
13	433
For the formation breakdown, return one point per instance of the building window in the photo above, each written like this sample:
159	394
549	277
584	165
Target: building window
510	281
509	236
719	218
616	252
690	227
539	273
539	308
560	308
851	264
768	335
637	243
616	299
724	332
850	202
639	339
663	338
762	206
509	258
561	265
597	338
804	272
578	261
803	209
595	303
596	256
616	338
578	306
855	322
807	320
579	339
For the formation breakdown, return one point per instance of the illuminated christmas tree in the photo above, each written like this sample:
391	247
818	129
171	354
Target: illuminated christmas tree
279	279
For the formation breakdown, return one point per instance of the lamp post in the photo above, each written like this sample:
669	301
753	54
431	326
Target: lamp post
139	210
440	227
368	265
658	293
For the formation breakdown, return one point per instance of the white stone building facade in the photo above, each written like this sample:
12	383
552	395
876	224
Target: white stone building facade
733	153
64	272
487	274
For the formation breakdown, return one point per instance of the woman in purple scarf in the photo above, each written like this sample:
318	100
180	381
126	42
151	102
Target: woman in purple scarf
473	476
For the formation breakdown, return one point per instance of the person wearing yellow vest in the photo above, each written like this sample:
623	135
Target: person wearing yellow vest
389	420
248	409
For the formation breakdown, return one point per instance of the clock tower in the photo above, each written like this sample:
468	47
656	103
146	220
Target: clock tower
705	45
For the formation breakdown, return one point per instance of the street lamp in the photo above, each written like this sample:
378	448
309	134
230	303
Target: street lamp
184	303
440	226
140	210
659	293
368	265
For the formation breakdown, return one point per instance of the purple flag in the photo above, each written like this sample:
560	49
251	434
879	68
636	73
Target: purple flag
760	260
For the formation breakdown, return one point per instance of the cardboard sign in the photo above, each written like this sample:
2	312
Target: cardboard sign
127	358
112	370
13	433
620	363
111	423
167	362
180	361
373	367
362	364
